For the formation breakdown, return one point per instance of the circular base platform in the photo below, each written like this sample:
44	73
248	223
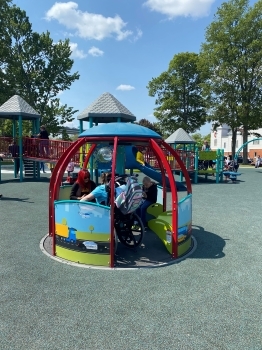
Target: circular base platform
150	254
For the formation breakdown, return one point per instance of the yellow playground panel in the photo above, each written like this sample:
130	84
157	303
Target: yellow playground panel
161	224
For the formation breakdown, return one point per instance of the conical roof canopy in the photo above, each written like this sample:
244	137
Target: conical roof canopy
106	109
180	136
16	106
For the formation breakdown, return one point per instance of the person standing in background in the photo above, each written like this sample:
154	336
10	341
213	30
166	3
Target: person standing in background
44	141
258	162
14	150
206	146
70	167
42	166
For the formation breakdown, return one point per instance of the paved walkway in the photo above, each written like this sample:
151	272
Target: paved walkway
212	300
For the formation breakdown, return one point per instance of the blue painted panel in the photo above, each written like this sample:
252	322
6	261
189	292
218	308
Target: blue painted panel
82	215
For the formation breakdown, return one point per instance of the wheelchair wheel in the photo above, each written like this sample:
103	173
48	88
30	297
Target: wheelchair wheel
131	232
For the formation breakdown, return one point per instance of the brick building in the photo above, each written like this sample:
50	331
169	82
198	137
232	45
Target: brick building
222	139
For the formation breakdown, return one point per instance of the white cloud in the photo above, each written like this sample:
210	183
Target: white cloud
174	8
125	87
87	25
138	35
95	51
76	53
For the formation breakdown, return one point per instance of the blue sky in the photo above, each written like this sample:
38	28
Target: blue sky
120	45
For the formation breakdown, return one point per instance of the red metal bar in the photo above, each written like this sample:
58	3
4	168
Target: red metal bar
182	166
174	198
92	139
162	173
112	205
55	181
92	148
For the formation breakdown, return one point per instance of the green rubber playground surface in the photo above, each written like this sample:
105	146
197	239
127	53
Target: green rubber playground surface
211	300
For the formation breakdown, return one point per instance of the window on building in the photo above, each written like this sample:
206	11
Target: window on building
225	145
256	142
215	143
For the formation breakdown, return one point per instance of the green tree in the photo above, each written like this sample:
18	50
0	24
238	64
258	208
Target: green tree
179	95
232	55
153	126
35	67
200	139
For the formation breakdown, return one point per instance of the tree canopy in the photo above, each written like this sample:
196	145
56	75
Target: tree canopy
200	139
33	66
178	92
153	126
231	58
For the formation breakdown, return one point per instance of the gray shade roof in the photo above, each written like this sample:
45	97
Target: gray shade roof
180	136
106	109
16	106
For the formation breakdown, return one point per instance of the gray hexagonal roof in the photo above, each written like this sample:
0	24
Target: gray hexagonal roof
106	109
16	106
180	136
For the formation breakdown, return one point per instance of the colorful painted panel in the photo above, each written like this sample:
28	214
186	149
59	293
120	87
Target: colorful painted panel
184	218
82	232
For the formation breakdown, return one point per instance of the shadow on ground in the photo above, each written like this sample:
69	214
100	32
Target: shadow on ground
209	245
151	253
4	198
202	181
25	180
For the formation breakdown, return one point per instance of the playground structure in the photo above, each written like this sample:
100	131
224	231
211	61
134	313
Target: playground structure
105	109
185	147
205	157
89	227
245	145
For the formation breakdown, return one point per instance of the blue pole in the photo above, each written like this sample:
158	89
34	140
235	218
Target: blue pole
20	147
120	160
14	139
37	129
196	165
81	126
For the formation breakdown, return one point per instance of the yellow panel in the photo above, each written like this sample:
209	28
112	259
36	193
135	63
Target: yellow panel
155	209
207	155
208	171
160	227
95	237
184	247
83	258
61	230
64	193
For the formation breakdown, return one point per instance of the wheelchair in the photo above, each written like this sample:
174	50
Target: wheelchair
129	228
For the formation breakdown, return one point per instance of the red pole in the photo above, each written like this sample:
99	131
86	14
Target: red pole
182	166
112	205
162	173
91	150
174	198
55	183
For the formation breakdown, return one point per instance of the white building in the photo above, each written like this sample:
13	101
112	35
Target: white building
222	139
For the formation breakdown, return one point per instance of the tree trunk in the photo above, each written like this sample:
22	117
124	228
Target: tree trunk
245	139
234	139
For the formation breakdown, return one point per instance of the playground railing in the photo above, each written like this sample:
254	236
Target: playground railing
37	149
187	157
